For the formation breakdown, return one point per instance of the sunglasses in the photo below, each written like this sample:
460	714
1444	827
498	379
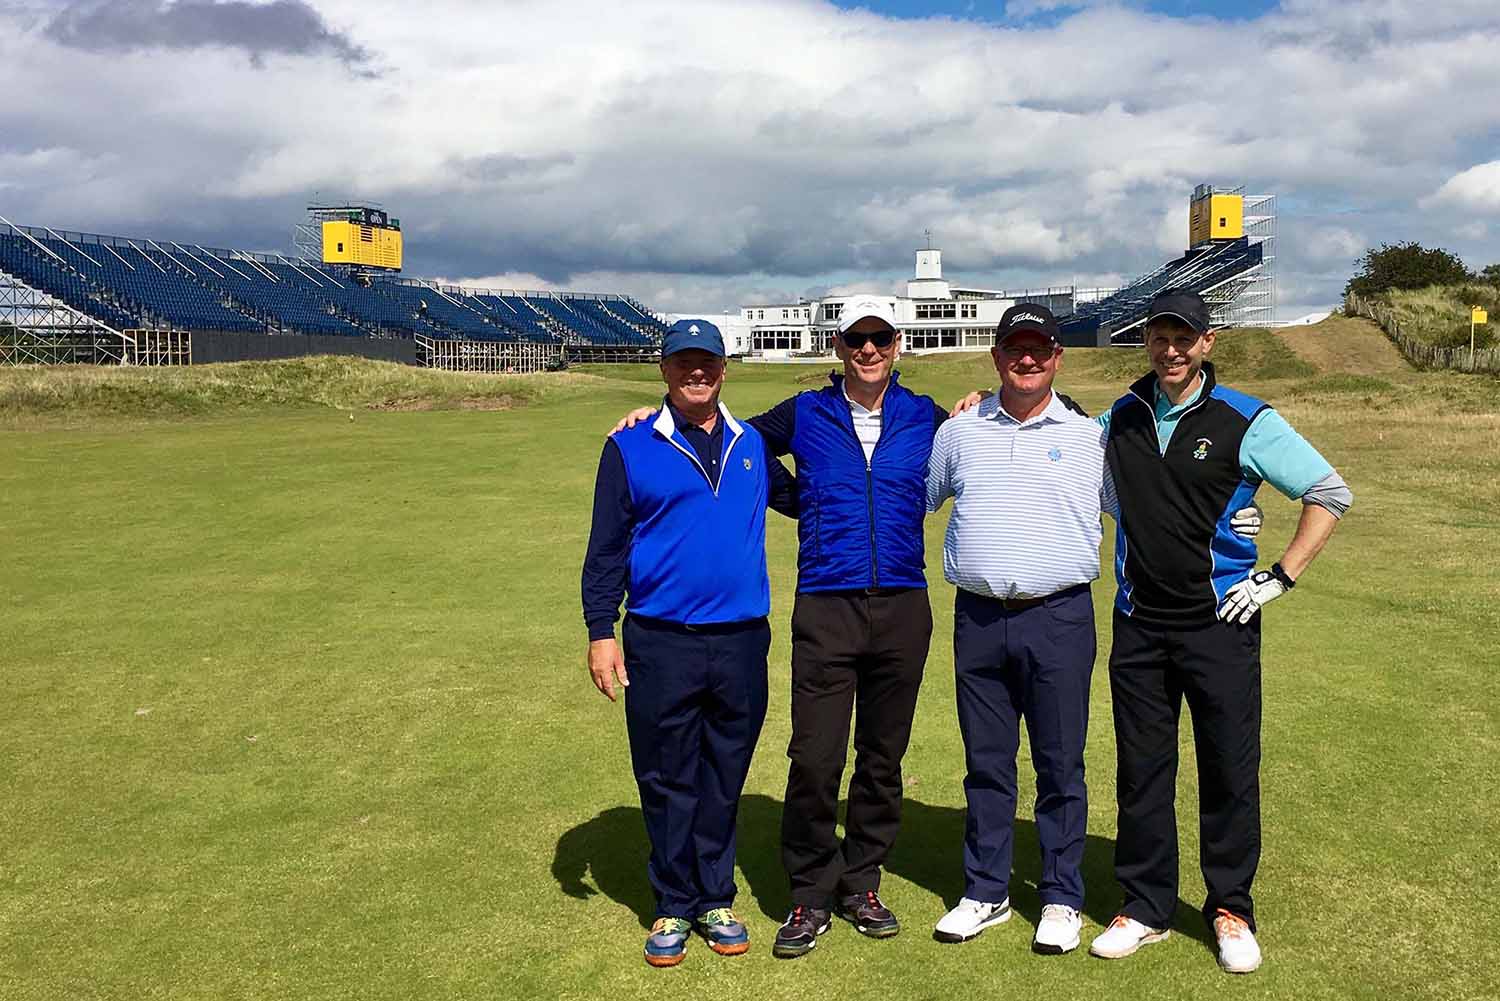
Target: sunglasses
1040	352
854	341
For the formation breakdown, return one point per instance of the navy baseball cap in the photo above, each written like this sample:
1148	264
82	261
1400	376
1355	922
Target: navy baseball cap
1188	307
685	335
1027	316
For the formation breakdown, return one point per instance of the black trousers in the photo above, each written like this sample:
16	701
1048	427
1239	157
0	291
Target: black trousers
859	652
1216	668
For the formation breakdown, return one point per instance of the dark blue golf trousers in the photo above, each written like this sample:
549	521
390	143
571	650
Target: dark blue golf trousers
694	709
1033	662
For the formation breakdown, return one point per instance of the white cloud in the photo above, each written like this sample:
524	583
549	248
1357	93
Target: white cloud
761	148
1474	190
1331	244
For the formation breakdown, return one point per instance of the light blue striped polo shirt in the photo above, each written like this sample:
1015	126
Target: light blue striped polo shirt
1027	497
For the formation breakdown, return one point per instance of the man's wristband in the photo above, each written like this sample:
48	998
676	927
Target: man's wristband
1281	575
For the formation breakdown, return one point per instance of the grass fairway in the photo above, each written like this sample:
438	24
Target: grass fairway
294	705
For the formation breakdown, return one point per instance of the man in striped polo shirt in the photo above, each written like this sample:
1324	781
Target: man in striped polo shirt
1027	472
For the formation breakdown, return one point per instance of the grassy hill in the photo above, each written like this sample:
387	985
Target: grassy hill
1439	315
295	706
74	393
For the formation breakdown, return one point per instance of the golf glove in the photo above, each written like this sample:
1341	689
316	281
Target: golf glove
1247	597
1247	521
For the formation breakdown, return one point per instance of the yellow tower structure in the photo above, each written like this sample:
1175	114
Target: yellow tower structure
1215	215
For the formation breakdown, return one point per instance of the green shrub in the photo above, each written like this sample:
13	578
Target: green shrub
1406	266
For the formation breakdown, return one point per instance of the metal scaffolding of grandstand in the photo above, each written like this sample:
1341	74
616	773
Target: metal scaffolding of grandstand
108	298
40	328
1236	277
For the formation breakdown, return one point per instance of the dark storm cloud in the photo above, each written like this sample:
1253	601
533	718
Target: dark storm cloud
499	168
284	26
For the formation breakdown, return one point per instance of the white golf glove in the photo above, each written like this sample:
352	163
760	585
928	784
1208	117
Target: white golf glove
1247	597
1247	521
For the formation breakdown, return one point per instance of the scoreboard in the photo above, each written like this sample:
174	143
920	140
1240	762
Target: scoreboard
1215	215
363	237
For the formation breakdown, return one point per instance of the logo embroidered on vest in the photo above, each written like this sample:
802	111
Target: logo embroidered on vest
747	463
1054	453
1201	452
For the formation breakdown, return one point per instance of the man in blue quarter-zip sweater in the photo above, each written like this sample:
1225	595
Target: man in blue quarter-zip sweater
679	524
1183	453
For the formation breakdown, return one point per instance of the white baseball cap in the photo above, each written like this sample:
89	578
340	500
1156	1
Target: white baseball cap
857	309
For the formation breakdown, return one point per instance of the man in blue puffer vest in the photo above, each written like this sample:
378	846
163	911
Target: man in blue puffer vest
861	623
679	523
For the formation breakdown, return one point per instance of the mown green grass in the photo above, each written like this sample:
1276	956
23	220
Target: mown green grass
295	707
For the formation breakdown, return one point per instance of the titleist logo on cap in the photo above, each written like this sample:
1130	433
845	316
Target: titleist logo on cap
1024	317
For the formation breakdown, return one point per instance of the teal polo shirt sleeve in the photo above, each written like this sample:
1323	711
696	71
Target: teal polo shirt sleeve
1273	452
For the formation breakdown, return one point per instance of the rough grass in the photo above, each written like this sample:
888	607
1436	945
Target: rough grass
1439	314
341	383
295	707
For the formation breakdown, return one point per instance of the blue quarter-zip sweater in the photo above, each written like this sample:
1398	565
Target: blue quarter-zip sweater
697	549
860	524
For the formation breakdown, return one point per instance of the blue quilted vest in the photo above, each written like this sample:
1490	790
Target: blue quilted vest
860	524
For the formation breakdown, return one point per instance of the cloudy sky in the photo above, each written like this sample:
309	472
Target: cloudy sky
705	153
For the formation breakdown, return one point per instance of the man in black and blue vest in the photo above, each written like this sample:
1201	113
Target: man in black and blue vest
679	524
1184	453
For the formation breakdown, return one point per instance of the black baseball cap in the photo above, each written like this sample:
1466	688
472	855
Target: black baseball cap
1027	316
1188	307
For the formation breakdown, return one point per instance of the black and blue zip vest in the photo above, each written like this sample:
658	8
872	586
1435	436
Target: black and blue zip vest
860	524
1175	555
697	553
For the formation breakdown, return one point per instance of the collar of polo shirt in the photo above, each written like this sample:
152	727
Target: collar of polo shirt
1054	411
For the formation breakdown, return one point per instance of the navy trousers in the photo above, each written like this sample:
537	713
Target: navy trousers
1034	662
694	709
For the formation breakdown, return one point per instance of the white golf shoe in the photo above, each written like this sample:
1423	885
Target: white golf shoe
970	918
1124	936
1058	931
1238	950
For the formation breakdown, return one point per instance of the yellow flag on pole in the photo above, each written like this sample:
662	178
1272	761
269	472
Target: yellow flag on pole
1479	316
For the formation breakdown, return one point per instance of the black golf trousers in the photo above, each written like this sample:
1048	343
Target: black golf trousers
1216	668
859	652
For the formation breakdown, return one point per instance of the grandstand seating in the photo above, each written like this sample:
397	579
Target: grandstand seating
129	284
1201	270
146	283
19	258
634	313
590	320
517	315
445	312
279	300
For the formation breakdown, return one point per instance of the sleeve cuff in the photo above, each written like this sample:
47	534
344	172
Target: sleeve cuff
601	629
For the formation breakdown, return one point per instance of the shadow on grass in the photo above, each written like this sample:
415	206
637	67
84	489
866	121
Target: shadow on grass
611	850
